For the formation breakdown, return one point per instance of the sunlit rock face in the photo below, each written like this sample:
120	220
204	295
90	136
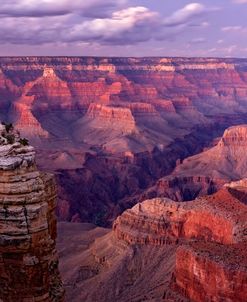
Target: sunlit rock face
28	258
209	272
210	235
162	250
208	171
82	113
160	221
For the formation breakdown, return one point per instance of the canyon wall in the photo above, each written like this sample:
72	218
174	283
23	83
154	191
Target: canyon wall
162	250
210	236
28	257
140	110
206	172
208	272
163	221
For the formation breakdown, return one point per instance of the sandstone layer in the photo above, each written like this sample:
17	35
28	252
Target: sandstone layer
28	257
163	221
162	250
210	272
206	172
141	110
211	237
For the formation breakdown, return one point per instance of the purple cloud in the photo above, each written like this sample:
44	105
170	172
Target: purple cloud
115	27
42	8
185	14
130	25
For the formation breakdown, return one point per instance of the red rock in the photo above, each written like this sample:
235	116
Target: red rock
164	105
111	117
160	221
28	257
206	172
211	234
163	250
158	103
210	272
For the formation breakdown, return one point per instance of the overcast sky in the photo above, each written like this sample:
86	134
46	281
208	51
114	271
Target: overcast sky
124	28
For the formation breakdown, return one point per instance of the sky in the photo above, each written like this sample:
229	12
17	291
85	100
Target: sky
123	28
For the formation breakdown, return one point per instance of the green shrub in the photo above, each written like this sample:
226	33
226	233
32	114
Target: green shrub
8	127
24	141
10	138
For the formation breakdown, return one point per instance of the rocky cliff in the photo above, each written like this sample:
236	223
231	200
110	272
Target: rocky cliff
161	221
110	107
208	171
162	250
28	257
210	272
211	260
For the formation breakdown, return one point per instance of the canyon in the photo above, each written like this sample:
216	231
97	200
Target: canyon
28	256
119	125
206	172
162	250
154	148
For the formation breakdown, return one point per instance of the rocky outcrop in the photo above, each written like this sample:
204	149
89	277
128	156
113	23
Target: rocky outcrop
183	188
206	172
142	109
51	87
165	106
26	121
108	117
28	258
211	272
210	233
234	137
161	221
69	107
161	250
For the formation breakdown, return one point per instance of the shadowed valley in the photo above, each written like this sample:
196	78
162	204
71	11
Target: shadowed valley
110	128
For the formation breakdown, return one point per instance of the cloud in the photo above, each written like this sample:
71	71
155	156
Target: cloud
198	40
220	41
228	50
234	29
95	22
130	25
126	26
30	30
41	8
240	1
186	14
205	24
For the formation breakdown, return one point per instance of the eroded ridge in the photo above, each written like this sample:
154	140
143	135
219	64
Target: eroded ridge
28	257
211	238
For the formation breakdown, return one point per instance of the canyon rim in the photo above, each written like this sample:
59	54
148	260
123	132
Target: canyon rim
123	139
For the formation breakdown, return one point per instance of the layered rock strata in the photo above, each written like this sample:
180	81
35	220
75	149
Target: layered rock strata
28	257
210	272
208	171
160	221
211	239
108	107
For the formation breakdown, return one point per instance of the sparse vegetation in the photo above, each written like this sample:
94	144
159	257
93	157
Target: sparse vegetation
8	126
10	138
24	141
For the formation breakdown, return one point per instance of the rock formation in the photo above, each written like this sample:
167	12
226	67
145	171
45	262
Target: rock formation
28	258
211	259
208	171
156	109
160	221
210	272
111	118
162	250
